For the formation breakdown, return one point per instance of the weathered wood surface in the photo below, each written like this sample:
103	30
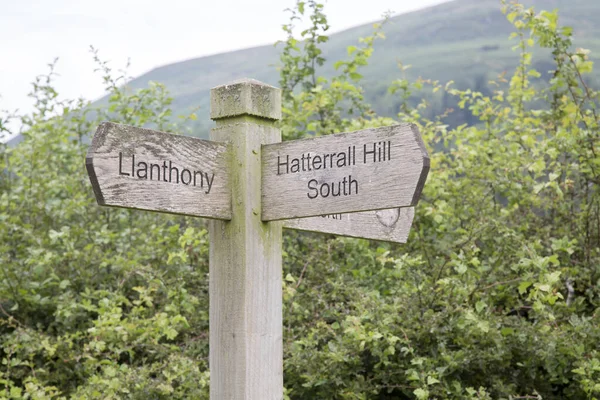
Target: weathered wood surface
370	169
151	170
391	225
246	339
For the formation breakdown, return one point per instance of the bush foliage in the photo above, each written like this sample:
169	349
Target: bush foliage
496	295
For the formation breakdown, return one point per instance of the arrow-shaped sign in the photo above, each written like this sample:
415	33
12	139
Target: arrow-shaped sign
370	169
392	225
151	170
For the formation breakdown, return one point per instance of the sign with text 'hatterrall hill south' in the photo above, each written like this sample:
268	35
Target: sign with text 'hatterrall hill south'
372	169
151	170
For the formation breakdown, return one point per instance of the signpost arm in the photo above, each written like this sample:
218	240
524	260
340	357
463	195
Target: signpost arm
246	355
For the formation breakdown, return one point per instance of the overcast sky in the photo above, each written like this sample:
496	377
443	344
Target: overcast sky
148	32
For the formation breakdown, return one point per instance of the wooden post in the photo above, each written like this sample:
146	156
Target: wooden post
246	347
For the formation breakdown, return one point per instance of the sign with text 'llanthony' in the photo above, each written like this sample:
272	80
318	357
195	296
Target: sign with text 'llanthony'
150	170
371	169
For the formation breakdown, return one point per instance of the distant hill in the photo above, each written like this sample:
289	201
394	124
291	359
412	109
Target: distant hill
462	40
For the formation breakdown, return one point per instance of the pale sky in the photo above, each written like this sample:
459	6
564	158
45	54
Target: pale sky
148	32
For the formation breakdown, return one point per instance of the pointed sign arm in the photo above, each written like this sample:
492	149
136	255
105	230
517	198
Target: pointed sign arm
391	225
371	169
150	170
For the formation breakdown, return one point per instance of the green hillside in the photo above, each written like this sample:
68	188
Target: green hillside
464	40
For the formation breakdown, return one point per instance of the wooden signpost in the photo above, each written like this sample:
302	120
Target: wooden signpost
244	179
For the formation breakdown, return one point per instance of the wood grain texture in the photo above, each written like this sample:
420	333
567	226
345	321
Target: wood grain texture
246	345
382	168
246	338
126	166
391	225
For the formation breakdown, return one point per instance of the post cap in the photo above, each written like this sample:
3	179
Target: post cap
245	97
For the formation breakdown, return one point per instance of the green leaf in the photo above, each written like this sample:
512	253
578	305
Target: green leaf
484	326
421	394
460	268
480	306
431	380
523	286
507	331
